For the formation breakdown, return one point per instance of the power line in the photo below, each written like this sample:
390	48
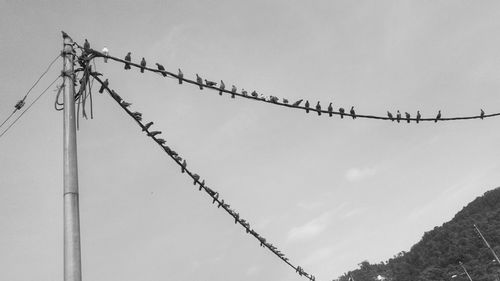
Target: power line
215	196
296	105
32	103
20	103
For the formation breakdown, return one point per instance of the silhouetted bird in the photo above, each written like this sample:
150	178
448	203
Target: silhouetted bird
128	58
244	92
222	87
341	111
162	69
143	65
438	116
86	46
210	83
104	85
180	76
154	133
160	141
199	81
482	114
398	116
407	117
318	108
125	104
418	116
274	99
297	103
390	116
353	113
254	94
233	91
184	165
330	110
137	116
285	101
196	178
307	106
146	127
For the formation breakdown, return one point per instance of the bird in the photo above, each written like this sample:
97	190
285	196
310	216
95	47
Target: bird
180	76
297	103
160	141
285	101
407	117
353	114
129	59
307	106
137	116
104	85
146	127
330	110
482	114
341	111
86	46
244	92
254	94
143	65
105	51
19	104
125	104
184	165
202	184
318	108
210	83
390	116
418	116
199	81
221	87
65	35
196	178
161	69
438	116
233	91
398	116
154	133
274	99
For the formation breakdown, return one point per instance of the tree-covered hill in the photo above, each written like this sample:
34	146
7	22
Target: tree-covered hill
437	255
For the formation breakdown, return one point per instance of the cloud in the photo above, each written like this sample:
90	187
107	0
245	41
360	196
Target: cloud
311	229
357	174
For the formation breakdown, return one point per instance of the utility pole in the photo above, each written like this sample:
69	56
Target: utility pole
465	270
487	244
72	255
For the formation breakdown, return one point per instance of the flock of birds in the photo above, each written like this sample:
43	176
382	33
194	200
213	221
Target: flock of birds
307	106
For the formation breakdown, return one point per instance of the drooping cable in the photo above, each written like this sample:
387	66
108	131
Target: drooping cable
197	181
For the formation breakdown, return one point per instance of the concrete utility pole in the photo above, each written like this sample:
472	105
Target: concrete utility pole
487	244
465	270
72	255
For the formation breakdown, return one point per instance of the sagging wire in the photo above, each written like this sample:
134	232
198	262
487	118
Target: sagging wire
31	104
20	104
215	196
284	102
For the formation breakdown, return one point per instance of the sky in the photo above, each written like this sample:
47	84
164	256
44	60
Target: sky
329	193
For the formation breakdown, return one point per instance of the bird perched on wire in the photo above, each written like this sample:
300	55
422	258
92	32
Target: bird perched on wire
161	69
297	103
307	106
254	94
196	178
210	83
199	81
104	85
285	101
482	114
274	99
154	133
342	112
221	87
438	116
398	116
407	117
184	165
146	127
86	46
105	51
180	76
418	116
233	91
353	113
318	108
128	58
330	110
137	116
125	104
390	116
143	65
160	141
244	92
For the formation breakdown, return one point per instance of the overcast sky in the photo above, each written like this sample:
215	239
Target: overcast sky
329	193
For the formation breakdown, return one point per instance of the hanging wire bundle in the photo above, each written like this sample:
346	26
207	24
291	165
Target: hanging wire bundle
284	102
197	180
